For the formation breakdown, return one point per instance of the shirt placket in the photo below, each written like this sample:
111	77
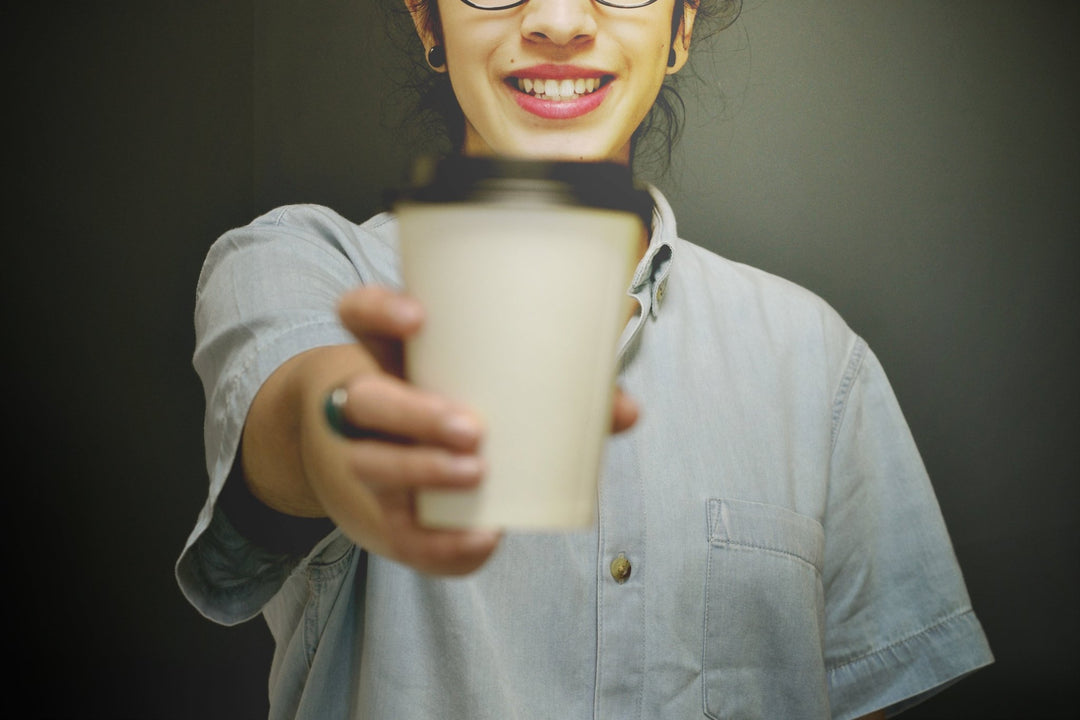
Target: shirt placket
621	559
621	569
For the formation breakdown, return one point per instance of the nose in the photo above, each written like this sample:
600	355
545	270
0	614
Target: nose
560	22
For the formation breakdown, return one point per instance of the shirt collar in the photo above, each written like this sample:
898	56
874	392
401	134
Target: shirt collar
650	278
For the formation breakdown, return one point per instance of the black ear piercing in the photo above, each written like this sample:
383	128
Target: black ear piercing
436	58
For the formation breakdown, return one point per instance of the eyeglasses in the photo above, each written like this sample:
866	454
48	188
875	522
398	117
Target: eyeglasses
507	4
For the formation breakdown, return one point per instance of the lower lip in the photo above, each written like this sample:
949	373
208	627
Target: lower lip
561	109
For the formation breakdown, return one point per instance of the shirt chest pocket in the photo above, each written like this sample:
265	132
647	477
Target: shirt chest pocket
764	614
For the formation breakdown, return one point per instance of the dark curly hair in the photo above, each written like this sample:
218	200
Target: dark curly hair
439	115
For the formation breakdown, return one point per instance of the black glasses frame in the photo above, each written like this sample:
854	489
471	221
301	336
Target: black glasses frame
515	3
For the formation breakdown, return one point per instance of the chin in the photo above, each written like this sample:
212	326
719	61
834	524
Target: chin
558	147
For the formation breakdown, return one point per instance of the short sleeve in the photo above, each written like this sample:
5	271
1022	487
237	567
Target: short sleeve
899	623
267	292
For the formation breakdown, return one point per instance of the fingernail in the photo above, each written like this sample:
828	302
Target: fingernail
461	429
466	467
482	539
406	311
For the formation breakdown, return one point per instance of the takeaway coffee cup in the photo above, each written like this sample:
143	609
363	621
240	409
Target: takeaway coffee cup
522	268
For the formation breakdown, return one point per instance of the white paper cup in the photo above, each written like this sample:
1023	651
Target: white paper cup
524	304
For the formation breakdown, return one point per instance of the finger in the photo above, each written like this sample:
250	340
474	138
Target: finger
440	551
450	552
387	406
430	550
387	466
624	412
379	310
384	522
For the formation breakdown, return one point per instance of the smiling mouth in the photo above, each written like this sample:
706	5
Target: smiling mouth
559	90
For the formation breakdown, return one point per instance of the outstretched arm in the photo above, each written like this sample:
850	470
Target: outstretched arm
294	462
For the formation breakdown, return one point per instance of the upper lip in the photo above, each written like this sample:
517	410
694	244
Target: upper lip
552	71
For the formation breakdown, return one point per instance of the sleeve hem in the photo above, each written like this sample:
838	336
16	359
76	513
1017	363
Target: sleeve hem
227	578
911	670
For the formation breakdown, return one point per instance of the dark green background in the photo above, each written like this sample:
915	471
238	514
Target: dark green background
914	162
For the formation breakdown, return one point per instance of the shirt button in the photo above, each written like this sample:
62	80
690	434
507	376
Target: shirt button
660	291
620	568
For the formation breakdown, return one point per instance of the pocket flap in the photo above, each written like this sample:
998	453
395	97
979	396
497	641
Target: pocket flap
742	523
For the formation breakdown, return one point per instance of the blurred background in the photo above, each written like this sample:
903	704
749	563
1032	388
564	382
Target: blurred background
914	162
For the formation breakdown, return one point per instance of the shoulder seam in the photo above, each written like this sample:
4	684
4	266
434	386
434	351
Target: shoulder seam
843	392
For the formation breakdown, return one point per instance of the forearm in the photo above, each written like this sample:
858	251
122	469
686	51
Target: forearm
297	464
279	424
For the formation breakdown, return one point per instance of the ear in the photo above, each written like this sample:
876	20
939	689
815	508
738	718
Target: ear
680	41
423	21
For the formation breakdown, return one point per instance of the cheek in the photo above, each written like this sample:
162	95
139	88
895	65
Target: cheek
464	70
647	47
468	59
651	71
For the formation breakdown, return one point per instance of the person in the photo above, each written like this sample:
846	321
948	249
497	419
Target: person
767	543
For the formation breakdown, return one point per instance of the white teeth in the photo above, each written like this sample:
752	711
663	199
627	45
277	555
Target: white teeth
558	89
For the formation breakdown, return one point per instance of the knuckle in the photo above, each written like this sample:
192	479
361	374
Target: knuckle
359	462
442	555
424	465
364	387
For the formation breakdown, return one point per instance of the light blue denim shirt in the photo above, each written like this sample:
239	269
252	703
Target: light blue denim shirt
787	558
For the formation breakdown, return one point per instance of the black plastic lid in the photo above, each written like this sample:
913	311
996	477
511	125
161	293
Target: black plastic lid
603	185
